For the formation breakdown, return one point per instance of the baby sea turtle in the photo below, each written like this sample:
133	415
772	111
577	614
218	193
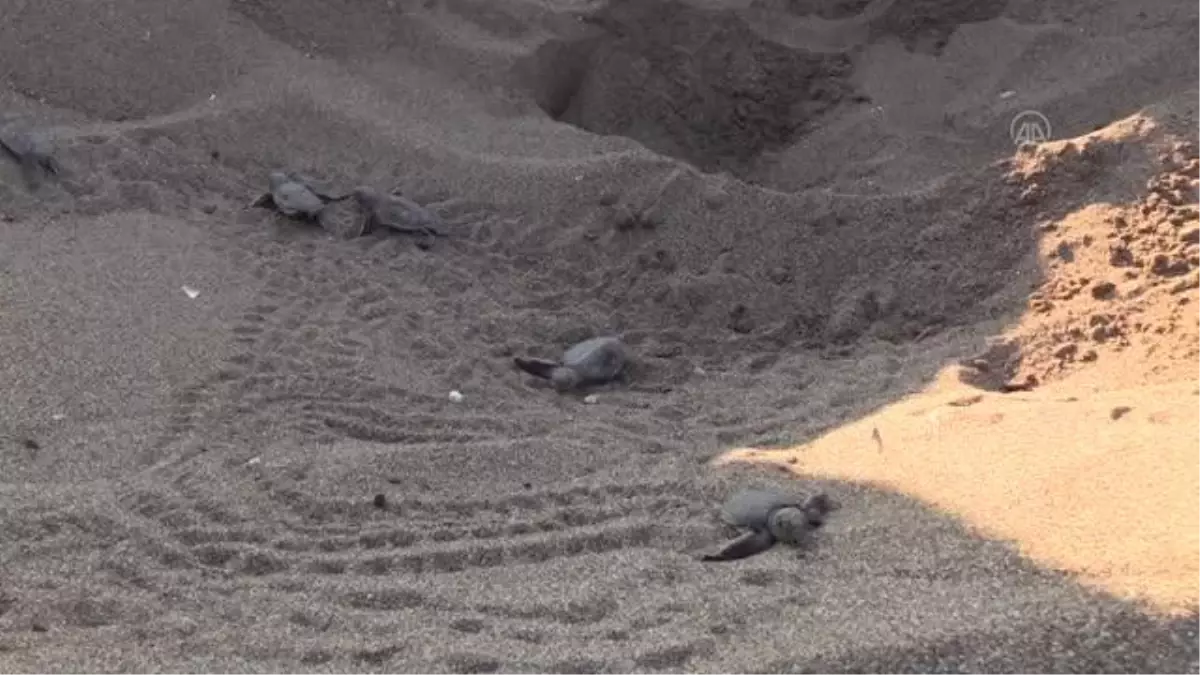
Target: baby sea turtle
33	151
770	516
593	361
299	196
396	212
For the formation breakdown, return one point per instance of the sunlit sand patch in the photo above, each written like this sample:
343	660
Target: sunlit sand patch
1110	496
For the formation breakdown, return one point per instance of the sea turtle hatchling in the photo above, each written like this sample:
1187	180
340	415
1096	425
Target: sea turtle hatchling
299	196
770	516
33	151
594	361
396	212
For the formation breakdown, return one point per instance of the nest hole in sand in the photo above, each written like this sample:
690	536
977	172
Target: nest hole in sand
694	84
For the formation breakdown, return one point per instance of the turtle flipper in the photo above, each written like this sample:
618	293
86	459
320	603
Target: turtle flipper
33	154
426	230
16	155
264	201
748	544
537	367
51	166
10	150
47	166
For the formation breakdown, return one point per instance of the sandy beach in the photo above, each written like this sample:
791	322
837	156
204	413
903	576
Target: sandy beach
228	441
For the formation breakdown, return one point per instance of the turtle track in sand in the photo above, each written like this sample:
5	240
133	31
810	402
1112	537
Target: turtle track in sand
239	524
347	567
312	356
415	535
338	326
367	566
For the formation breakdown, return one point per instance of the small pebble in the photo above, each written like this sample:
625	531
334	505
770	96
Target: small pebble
456	396
590	398
1103	290
380	501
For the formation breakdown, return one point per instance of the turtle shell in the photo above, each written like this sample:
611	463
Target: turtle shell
598	359
752	507
343	219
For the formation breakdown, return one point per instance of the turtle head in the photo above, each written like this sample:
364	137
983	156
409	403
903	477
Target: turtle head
365	196
818	507
791	525
278	178
564	379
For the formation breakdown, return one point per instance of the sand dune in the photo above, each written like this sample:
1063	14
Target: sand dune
809	222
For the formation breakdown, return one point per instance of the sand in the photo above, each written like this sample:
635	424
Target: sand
808	220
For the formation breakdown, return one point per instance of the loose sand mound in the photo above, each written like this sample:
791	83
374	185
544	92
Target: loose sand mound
808	221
